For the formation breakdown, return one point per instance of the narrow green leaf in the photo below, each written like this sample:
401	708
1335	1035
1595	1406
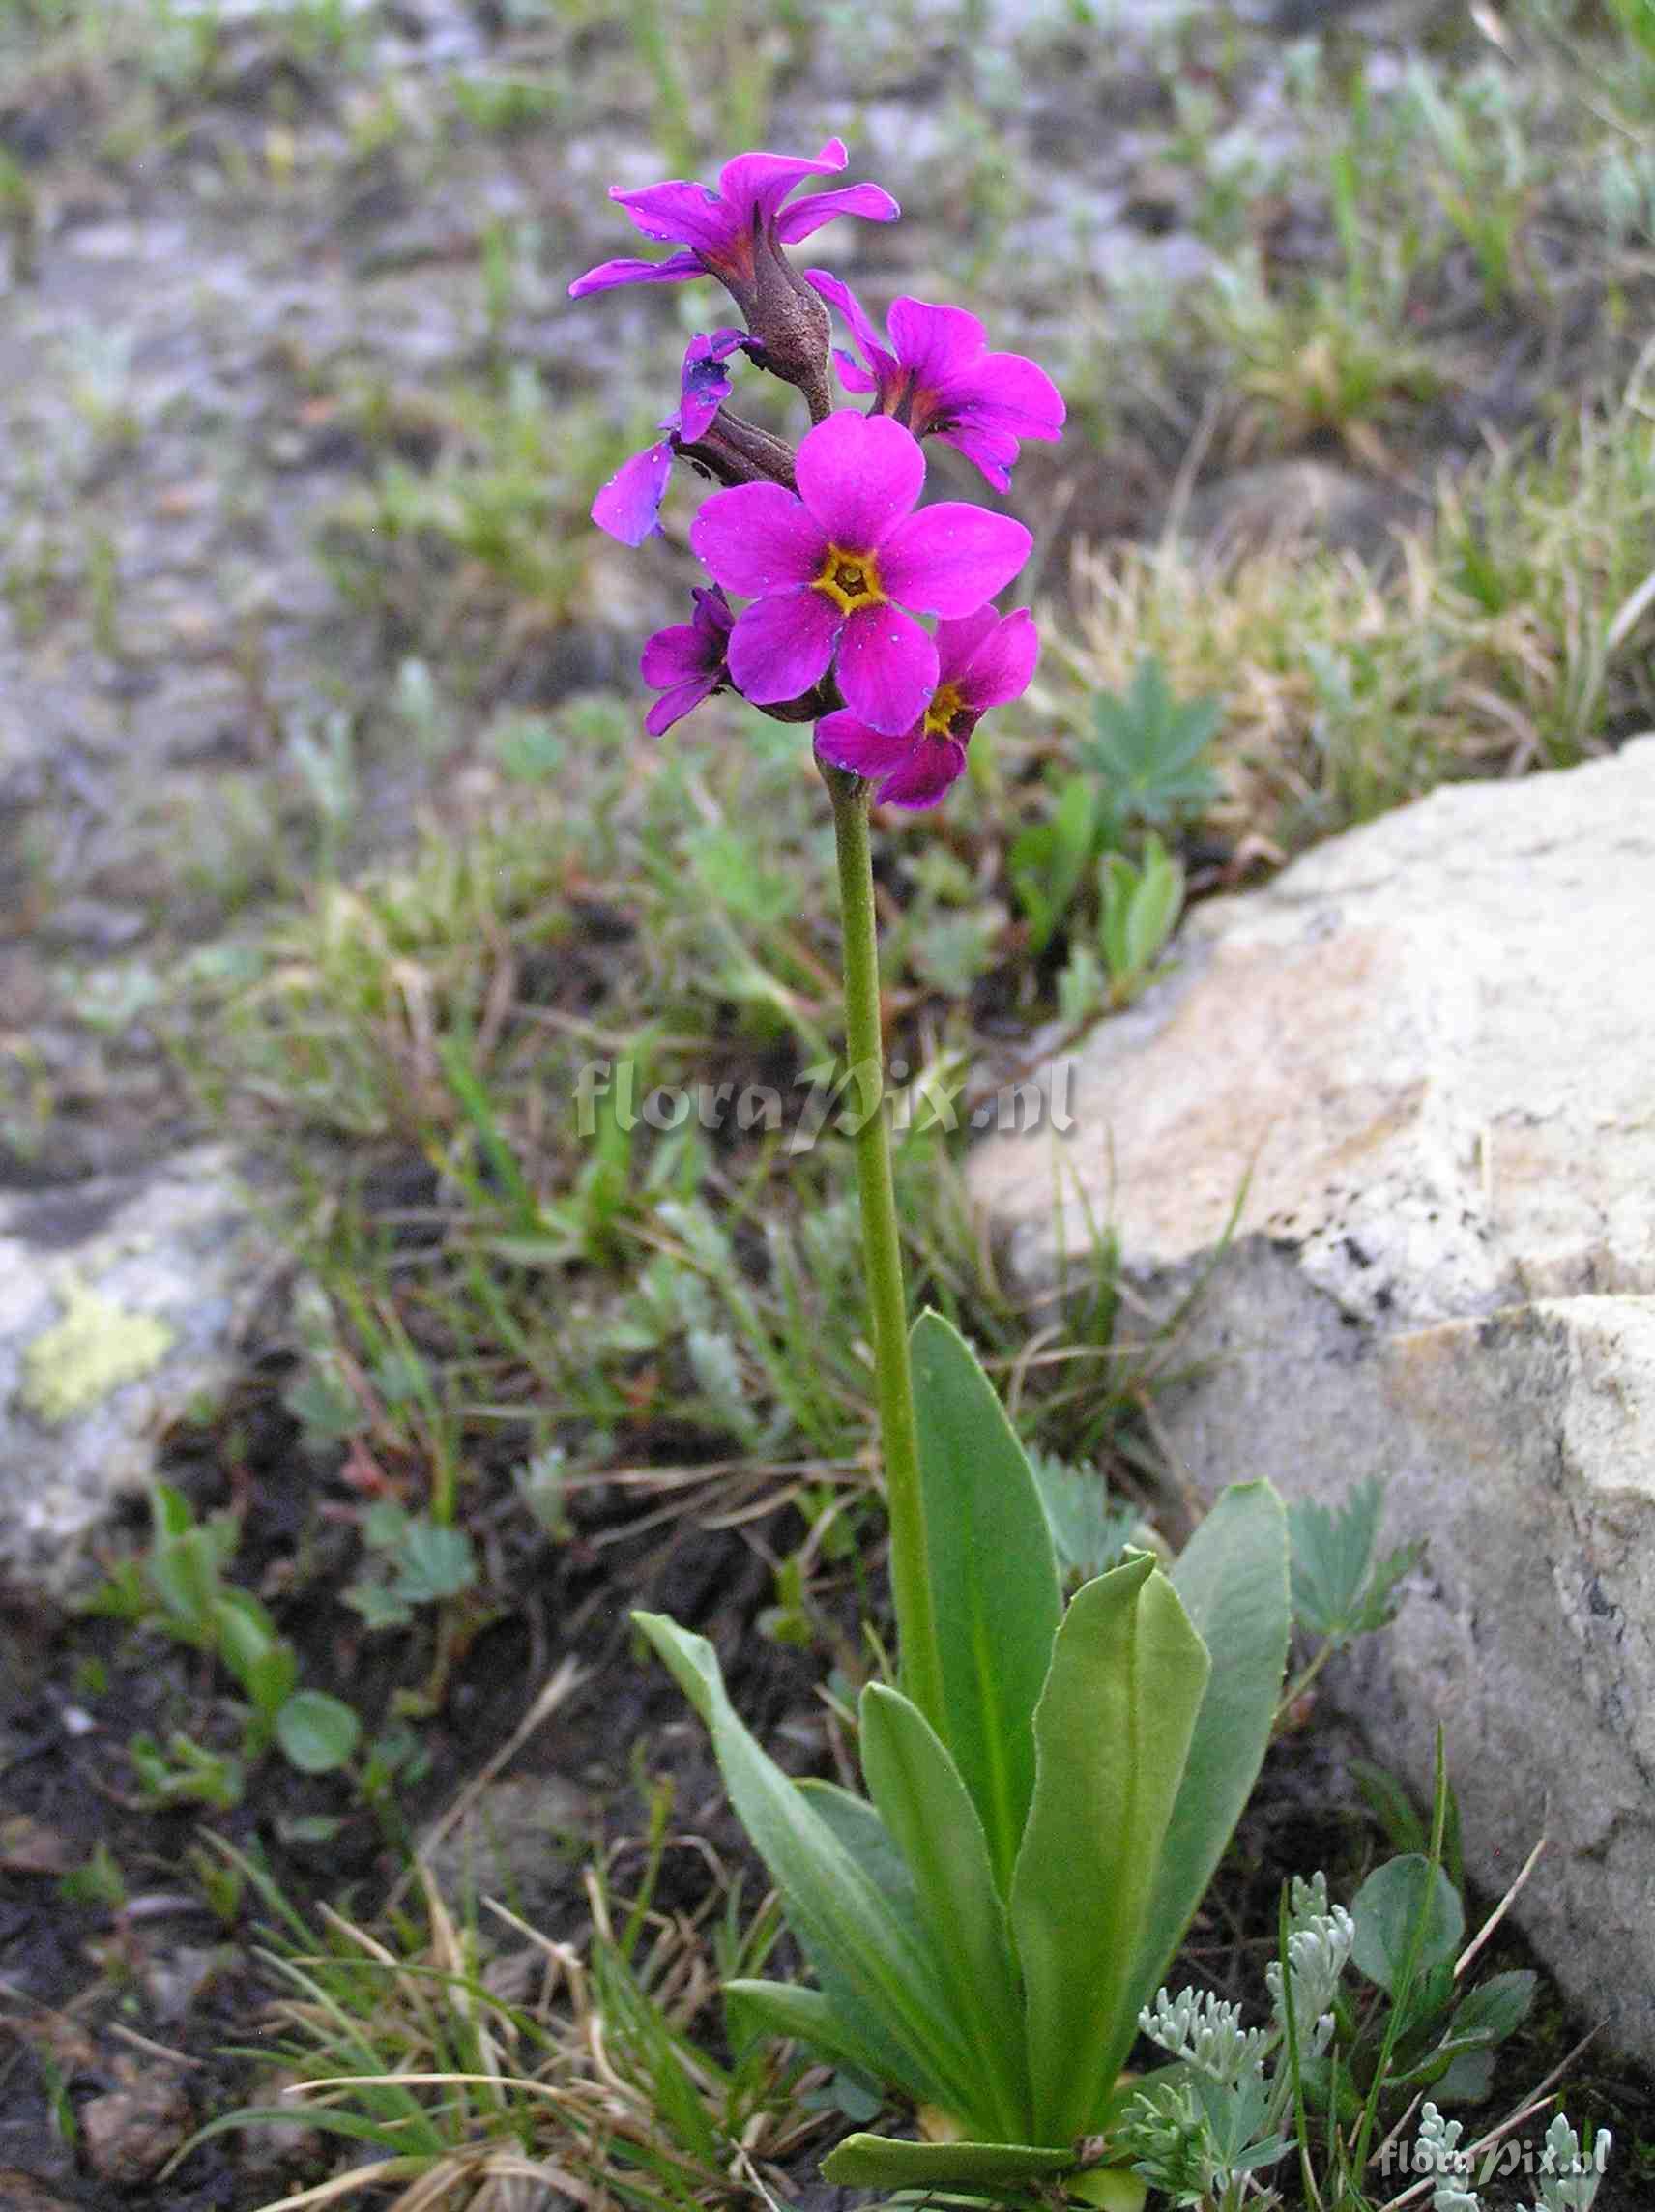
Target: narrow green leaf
803	2015
184	1574
1231	1580
865	1835
245	1633
994	1581
851	1930
928	1811
1112	1730
883	2162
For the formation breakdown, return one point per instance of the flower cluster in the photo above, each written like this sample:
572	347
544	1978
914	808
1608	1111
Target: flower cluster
829	544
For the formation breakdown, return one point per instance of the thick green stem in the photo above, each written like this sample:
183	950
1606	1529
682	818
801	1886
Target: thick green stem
899	1434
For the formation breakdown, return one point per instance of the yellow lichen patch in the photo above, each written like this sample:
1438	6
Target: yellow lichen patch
93	1350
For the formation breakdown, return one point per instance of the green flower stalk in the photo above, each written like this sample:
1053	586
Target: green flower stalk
881	1245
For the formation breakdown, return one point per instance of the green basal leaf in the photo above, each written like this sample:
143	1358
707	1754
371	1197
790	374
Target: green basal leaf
993	1583
1231	1580
925	1806
866	1836
1112	1733
864	1947
802	2014
1395	1898
883	2162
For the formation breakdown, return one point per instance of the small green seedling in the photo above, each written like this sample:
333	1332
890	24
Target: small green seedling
1140	909
179	1586
420	1562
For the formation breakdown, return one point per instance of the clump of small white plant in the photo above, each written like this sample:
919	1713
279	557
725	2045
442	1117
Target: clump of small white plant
1568	2180
1205	2134
1199	2137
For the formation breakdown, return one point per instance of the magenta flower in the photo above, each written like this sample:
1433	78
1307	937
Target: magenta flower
723	232
836	566
685	664
936	378
629	504
982	661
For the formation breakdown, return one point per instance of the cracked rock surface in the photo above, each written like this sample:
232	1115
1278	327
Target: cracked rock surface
1419	1070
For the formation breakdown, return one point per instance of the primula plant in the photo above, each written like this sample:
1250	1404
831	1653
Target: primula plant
1049	1786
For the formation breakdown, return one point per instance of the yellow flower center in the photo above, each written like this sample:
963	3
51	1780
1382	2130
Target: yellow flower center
948	715
851	580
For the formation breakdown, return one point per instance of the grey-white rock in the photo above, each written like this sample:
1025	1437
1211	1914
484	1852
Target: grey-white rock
1424	1061
120	1303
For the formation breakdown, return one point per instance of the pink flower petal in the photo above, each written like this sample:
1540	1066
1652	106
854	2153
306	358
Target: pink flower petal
849	743
948	559
939	344
852	375
933	764
714	615
1002	666
838	294
764	181
806	217
609	273
757	538
782	644
690	213
1013	392
683	699
704	383
887	668
858	474
957	639
992	450
674	656
629	504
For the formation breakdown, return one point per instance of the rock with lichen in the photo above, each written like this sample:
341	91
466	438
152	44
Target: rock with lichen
121	1302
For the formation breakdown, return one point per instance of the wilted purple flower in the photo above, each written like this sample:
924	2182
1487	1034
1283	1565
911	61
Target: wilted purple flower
982	661
629	504
936	378
685	664
836	566
723	231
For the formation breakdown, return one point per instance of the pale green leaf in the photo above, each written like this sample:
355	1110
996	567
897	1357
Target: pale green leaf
1232	1579
316	1731
923	1803
849	1929
994	1582
884	2162
1409	1916
1112	1731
